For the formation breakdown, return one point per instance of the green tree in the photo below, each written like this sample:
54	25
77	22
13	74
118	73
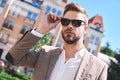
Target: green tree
16	76
107	50
114	69
45	40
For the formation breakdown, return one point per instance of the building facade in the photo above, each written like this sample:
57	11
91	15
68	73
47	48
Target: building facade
94	36
23	15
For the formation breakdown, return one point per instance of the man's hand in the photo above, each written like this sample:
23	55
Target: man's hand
2	64
48	23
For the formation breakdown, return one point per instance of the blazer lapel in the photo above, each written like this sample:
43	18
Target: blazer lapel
53	60
83	66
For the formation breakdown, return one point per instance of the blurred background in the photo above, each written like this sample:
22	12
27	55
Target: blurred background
19	16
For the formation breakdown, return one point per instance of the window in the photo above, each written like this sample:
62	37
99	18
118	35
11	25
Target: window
53	10
97	26
25	28
12	9
91	39
37	3
59	13
32	16
34	2
29	28
15	10
29	15
93	52
96	41
3	3
18	9
9	23
5	24
48	8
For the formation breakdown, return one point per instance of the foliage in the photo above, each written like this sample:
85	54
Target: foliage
114	69
6	76
21	76
107	50
15	76
117	56
45	40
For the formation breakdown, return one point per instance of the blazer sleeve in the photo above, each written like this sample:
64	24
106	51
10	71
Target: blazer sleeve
103	75
20	55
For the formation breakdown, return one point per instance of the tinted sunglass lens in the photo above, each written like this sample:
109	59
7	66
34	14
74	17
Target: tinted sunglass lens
76	23
65	22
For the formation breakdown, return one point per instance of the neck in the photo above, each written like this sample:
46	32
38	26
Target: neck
71	49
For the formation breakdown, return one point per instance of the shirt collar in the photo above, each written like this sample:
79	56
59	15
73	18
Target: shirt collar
78	54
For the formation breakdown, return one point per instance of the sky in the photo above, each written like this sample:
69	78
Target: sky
109	10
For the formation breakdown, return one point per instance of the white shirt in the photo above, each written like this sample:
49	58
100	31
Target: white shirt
36	33
67	71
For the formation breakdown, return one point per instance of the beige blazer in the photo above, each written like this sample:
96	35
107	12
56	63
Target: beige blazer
43	61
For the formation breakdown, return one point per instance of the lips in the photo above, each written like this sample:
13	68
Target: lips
69	32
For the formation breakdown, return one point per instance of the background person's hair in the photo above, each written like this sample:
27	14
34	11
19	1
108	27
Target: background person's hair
77	8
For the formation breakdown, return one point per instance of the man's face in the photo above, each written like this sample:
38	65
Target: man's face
72	33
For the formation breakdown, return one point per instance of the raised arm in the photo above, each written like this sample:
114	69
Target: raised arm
19	54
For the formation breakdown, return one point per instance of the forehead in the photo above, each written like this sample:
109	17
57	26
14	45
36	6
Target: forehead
74	15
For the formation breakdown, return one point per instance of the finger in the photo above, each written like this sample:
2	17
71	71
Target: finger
53	18
51	15
57	21
59	18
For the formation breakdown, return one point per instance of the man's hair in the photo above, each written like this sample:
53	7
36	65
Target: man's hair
77	8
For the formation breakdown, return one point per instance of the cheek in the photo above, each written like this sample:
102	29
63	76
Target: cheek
63	29
80	31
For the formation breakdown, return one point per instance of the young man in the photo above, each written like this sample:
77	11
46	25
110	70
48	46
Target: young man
72	62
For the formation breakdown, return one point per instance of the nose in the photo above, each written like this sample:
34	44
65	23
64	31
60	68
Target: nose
70	25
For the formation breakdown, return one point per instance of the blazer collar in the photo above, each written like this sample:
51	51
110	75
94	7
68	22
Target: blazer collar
53	60
83	65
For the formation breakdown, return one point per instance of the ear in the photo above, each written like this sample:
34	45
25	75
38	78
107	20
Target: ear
86	28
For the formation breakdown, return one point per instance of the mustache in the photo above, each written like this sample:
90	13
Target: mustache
69	30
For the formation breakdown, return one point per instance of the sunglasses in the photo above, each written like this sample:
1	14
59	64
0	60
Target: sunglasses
75	22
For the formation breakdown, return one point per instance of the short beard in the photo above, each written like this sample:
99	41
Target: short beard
69	39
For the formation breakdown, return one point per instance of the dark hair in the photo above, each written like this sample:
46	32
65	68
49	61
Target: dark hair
75	7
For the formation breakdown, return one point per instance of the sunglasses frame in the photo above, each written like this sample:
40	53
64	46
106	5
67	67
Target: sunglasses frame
81	22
